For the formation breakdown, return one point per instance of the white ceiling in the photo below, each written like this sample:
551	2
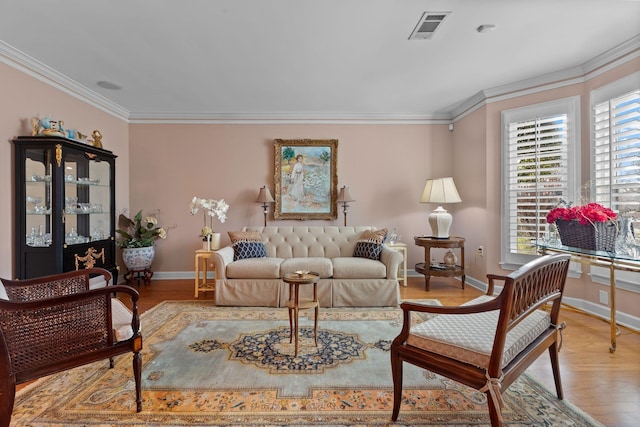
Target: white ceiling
322	59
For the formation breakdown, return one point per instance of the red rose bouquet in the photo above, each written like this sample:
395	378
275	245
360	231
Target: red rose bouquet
585	214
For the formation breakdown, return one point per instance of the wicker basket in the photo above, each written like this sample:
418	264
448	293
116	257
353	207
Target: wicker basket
599	236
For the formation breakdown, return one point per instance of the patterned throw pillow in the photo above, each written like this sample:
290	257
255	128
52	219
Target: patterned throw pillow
369	250
245	249
370	244
247	244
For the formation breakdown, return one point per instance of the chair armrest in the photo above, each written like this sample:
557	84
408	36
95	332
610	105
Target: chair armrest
392	259
491	278
221	258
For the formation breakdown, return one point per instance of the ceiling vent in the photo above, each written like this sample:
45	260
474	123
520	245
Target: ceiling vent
428	24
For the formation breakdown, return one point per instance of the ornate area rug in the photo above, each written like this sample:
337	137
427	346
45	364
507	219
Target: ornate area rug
223	366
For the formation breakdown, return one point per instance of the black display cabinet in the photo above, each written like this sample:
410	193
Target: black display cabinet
64	206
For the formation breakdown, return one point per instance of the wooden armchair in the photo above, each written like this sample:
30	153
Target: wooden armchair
488	342
54	323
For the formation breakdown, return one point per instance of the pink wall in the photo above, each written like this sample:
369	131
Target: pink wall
385	166
471	217
469	171
24	97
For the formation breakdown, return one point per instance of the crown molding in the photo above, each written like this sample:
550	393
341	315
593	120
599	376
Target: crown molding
36	69
285	118
606	61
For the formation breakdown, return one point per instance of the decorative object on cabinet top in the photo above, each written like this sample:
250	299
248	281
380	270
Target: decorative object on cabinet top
45	126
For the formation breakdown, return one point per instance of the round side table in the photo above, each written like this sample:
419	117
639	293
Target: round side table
295	303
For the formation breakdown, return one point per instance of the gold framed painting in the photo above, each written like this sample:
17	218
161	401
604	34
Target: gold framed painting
306	178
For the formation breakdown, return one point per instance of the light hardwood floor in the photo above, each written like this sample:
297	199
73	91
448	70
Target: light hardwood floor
604	384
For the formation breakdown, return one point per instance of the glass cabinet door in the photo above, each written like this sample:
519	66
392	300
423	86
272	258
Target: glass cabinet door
87	197
38	200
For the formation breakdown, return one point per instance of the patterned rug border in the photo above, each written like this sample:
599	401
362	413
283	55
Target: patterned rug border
337	418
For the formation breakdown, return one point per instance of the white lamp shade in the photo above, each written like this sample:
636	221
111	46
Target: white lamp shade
345	195
440	190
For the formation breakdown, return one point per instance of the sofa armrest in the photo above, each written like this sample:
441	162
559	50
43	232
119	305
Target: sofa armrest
392	259
221	258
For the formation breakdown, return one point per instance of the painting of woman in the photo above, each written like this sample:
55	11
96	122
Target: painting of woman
297	179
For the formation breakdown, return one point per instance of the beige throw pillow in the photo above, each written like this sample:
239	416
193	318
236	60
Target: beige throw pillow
376	236
244	236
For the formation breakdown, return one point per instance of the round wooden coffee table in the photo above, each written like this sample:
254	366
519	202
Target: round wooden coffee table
295	303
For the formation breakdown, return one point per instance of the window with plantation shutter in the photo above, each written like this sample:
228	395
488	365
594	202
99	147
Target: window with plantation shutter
616	142
539	152
615	173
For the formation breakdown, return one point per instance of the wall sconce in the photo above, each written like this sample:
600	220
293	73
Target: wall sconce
345	197
265	197
440	190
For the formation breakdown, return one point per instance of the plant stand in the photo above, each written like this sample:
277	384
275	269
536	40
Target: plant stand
132	277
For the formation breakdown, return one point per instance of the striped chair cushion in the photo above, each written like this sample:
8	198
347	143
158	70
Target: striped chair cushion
469	337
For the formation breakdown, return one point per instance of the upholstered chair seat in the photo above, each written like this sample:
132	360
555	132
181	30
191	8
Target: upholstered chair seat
469	337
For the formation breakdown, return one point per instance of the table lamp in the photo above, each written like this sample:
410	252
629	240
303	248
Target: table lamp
345	197
440	190
265	198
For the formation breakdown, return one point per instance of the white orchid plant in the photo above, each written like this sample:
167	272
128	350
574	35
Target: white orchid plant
210	209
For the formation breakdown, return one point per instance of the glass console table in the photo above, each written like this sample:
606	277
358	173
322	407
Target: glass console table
611	260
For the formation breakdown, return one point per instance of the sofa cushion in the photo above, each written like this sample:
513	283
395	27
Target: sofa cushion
469	337
322	266
358	268
255	268
244	249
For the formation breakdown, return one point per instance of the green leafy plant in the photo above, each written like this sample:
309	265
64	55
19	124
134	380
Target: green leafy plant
139	233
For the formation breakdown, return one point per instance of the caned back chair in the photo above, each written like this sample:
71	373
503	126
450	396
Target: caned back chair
54	323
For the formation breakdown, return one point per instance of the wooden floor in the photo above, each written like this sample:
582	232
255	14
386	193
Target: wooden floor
604	384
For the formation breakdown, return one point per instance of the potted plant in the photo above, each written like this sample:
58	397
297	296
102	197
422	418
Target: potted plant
137	240
210	208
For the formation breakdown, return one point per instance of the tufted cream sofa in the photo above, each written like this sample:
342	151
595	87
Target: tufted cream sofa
345	281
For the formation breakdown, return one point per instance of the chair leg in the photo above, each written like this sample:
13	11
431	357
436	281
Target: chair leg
555	367
396	372
494	416
137	375
7	385
8	392
111	363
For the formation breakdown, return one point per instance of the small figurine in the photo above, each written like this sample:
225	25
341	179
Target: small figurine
75	134
48	127
97	138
